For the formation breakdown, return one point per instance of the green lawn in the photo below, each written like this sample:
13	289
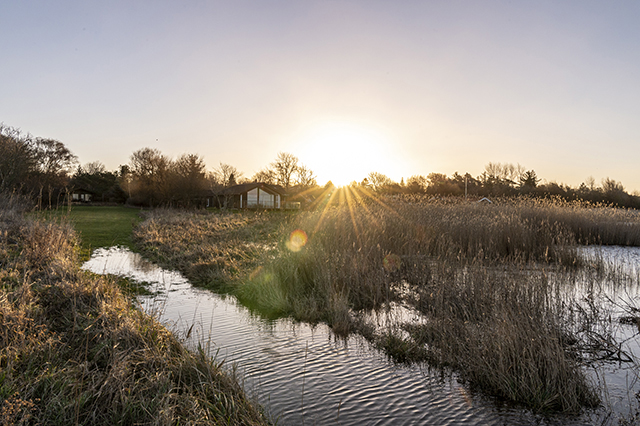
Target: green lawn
101	226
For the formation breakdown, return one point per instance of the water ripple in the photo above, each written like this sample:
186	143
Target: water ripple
304	374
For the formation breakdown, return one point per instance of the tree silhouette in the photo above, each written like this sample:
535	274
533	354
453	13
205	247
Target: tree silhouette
224	172
149	175
416	184
284	167
188	180
16	158
529	179
305	177
95	178
379	181
266	175
36	166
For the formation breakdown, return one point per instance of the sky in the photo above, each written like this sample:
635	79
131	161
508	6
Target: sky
350	87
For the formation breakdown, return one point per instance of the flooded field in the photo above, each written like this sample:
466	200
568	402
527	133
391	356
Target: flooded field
304	374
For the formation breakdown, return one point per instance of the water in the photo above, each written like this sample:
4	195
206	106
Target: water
617	295
303	374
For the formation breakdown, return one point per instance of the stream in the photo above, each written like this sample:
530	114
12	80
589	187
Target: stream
304	374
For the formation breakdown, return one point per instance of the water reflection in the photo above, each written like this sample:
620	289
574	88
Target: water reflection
615	294
303	374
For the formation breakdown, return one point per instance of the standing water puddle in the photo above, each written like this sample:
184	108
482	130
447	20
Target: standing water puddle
304	374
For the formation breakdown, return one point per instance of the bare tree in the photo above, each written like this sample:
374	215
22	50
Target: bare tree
518	172
610	186
305	177
224	172
149	172
37	166
284	167
190	167
506	173
16	157
379	181
92	168
435	179
212	181
590	183
266	175
53	157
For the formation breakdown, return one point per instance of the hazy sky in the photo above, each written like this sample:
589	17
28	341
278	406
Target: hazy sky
398	87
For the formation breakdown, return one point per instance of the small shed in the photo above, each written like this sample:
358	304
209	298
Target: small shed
81	195
249	196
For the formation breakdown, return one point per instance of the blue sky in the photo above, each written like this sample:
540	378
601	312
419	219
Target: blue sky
402	88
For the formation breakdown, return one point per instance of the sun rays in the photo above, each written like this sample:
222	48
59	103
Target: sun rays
356	198
344	152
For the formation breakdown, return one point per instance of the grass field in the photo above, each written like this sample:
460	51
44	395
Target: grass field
99	226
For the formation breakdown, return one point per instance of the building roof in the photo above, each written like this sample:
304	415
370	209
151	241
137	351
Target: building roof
82	190
246	187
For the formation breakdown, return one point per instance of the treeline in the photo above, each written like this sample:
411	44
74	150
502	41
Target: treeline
502	180
45	170
32	165
154	179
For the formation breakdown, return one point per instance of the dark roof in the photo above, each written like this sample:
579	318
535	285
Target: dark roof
246	187
82	190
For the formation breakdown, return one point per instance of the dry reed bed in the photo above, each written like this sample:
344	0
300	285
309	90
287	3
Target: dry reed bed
212	250
474	271
498	328
74	349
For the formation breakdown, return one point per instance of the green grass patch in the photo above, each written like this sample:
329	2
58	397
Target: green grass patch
99	226
131	287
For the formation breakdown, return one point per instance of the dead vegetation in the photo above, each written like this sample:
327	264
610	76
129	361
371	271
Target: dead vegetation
75	350
485	279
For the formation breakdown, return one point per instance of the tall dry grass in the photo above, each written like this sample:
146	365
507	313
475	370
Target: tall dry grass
475	272
213	250
74	350
588	223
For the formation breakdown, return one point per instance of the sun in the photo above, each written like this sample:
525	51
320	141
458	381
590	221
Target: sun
343	152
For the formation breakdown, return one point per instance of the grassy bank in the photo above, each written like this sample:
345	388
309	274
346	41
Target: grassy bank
74	349
477	274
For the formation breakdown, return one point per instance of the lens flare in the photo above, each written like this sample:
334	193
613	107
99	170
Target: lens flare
392	262
297	240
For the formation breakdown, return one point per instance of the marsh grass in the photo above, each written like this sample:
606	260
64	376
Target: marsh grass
500	329
212	249
478	274
75	350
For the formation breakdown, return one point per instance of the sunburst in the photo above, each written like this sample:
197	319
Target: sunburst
345	152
